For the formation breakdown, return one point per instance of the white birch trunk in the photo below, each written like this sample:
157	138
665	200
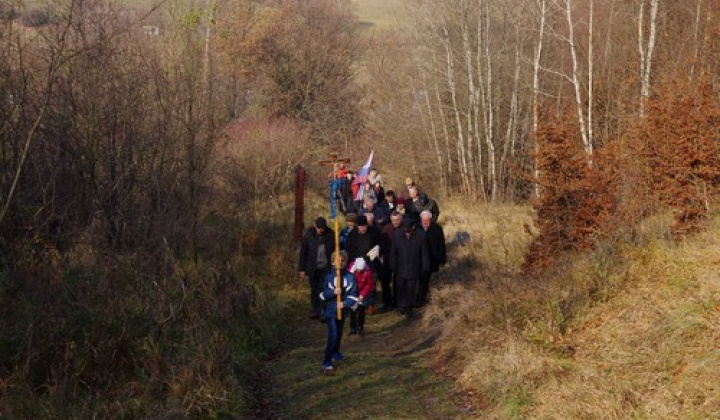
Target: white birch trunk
576	79
456	110
489	107
646	50
536	87
472	98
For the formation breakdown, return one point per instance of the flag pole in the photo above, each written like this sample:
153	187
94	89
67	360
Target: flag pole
335	161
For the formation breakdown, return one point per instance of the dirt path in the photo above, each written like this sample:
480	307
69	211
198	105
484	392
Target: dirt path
385	376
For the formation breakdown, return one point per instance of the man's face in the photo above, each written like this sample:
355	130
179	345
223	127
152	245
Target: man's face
389	198
413	193
396	221
319	230
425	222
370	205
362	229
351	225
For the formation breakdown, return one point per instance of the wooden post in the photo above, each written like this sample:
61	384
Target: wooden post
335	161
299	203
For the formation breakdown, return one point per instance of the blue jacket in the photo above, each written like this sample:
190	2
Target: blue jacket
348	296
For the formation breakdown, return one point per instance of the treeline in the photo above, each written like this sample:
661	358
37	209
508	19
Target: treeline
143	197
471	81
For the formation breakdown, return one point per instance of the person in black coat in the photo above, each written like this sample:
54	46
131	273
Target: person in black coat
435	240
409	259
361	241
316	246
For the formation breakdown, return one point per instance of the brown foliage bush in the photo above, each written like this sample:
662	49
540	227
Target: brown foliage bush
669	158
678	147
580	194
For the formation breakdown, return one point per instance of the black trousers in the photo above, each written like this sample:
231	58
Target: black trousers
316	286
388	286
357	318
406	292
424	287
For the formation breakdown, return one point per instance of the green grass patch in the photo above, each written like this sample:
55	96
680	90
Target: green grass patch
385	376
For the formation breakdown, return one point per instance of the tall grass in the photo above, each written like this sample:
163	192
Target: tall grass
628	330
144	334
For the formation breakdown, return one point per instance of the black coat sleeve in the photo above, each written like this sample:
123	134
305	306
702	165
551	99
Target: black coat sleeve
302	264
442	257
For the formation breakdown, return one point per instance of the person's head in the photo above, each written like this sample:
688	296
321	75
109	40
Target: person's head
362	224
400	203
369	202
409	182
396	218
425	219
320	225
413	192
359	264
408	225
351	220
370	218
377	185
390	196
343	259
350	175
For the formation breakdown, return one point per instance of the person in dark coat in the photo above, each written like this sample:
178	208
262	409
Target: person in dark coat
413	207
379	216
349	189
435	240
361	241
389	286
316	246
388	205
409	259
427	203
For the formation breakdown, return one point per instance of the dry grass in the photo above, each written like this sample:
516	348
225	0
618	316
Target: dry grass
654	351
629	331
381	14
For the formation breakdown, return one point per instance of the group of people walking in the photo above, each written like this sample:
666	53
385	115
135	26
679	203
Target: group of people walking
391	239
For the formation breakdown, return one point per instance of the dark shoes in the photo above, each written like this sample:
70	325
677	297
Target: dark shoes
353	331
361	331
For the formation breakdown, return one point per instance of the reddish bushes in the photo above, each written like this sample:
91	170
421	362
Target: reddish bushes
670	158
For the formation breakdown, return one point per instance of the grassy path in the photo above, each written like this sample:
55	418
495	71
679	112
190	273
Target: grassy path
385	376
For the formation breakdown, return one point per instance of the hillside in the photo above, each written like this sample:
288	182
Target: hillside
627	334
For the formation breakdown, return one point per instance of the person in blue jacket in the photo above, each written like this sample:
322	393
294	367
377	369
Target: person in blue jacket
348	297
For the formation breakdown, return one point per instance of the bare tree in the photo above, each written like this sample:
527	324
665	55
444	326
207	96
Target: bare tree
647	49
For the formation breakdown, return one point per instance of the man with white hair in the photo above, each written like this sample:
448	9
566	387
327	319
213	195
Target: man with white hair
435	241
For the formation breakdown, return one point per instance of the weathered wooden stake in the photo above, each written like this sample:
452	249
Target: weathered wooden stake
299	203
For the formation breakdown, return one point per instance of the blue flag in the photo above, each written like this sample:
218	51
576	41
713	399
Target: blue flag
335	186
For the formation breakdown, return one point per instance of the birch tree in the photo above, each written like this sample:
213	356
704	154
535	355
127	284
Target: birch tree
646	48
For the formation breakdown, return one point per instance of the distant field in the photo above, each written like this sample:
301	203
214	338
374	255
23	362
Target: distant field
379	13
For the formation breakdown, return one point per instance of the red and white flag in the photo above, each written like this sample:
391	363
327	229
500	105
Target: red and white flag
362	176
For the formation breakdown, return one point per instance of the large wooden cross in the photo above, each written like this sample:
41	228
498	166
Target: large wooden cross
335	161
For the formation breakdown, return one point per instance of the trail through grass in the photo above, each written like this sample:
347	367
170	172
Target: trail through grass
386	375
